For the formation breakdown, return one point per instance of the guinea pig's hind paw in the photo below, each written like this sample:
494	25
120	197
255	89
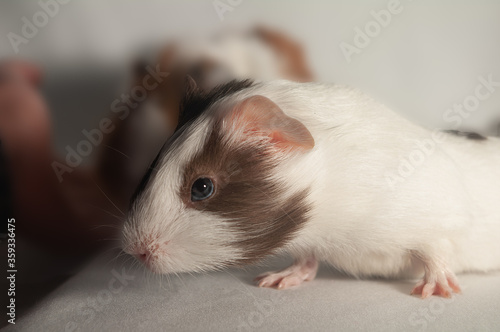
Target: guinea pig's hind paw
443	283
300	271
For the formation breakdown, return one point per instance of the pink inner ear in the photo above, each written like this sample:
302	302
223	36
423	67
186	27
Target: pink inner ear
260	115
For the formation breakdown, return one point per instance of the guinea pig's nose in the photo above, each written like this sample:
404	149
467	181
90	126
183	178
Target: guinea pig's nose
142	257
145	253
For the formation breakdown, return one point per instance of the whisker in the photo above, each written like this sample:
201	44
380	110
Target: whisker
114	149
109	199
106	211
110	226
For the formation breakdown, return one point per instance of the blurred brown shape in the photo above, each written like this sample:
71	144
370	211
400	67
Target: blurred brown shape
291	53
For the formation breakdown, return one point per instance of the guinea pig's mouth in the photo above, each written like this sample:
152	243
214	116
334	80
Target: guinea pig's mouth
151	262
149	254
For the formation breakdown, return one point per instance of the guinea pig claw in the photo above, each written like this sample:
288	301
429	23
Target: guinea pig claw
443	283
300	271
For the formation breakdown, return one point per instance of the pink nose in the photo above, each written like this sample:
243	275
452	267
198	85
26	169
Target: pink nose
142	257
148	253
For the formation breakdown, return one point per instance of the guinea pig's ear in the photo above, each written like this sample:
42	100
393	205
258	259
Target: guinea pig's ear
258	115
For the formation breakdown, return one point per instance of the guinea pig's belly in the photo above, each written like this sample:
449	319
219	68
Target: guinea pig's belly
398	264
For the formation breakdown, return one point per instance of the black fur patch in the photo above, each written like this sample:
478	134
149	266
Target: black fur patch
468	135
197	101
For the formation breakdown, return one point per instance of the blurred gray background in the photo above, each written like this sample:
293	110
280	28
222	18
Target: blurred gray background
426	59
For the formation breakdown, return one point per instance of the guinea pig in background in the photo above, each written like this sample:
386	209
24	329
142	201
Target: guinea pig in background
258	53
257	169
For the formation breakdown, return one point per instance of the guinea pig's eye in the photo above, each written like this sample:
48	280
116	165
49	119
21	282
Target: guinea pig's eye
202	189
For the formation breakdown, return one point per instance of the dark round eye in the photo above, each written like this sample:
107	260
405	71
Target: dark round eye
202	189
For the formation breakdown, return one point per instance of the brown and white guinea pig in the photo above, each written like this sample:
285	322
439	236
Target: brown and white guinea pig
255	169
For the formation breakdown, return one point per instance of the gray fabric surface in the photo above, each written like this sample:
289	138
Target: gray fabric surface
96	300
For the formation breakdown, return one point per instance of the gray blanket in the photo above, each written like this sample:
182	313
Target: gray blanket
119	295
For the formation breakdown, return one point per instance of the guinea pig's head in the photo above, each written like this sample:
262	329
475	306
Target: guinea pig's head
214	197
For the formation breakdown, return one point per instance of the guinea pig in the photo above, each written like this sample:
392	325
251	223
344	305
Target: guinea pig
311	170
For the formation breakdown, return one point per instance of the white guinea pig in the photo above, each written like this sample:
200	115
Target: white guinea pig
311	169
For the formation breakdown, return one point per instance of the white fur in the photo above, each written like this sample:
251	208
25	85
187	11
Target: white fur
447	211
181	240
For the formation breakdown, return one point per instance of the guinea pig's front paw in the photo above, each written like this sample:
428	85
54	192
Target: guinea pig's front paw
442	283
302	270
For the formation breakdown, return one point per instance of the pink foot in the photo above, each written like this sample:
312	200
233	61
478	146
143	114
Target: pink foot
437	282
301	270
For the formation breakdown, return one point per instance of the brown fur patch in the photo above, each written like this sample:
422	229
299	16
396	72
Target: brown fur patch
244	194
